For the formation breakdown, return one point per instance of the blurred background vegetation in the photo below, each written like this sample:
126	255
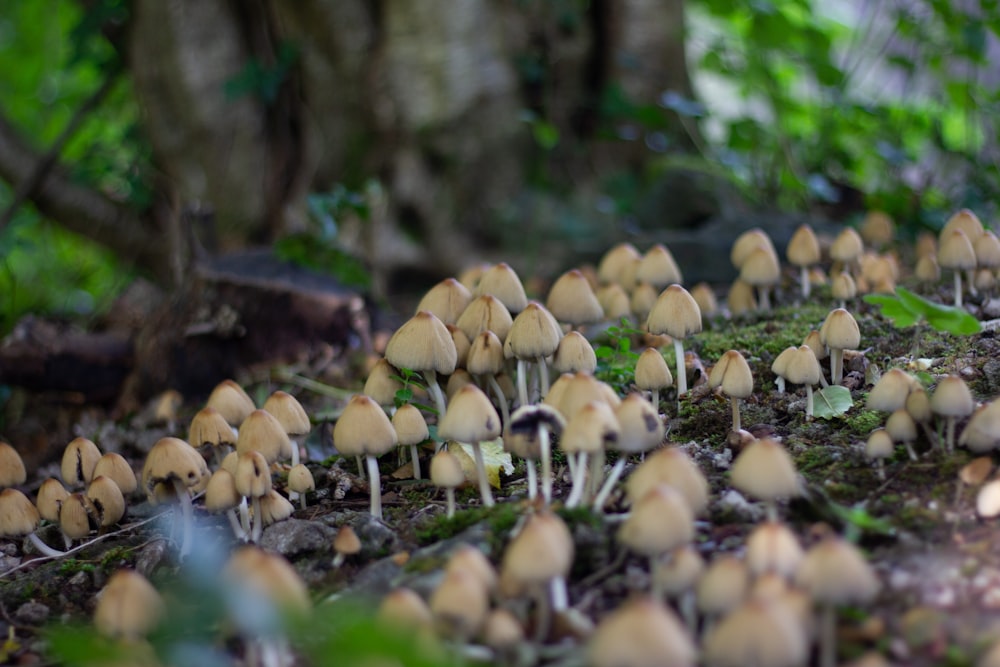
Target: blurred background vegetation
382	141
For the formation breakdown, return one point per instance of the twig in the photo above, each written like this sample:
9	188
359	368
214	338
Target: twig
284	375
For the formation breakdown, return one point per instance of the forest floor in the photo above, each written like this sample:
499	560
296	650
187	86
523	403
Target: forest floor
938	564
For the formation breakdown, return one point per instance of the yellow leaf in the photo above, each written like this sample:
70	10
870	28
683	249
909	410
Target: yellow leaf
494	457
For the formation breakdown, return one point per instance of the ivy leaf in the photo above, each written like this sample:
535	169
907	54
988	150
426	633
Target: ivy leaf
832	401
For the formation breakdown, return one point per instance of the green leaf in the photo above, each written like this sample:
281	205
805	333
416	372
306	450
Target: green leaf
893	309
951	319
832	401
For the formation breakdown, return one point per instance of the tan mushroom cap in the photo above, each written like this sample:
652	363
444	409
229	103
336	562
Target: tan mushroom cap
890	392
651	371
542	551
289	412
18	516
78	461
410	425
952	398
879	445
614	302
616	262
847	247
877	228
773	547
672	466
814	343
835	572
502	631
803	368
732	373
765	471
927	269
780	363
459	605
901	427
760	268
571	300
704	296
262	432
74	516
534	333
678	573
843	288
300	479
364	429
723	586
987	249
643	297
982	433
840	330
576	390
765	630
660	521
470	417
674	313
346	541
274	507
446	300
641	633
988	499
502	282
128	607
12	470
574	354
471	559
107	499
740	297
592	428
803	247
51	495
253	475
485	313
641	427
209	427
403	609
423	343
462	345
173	459
955	251
456	381
221	494
382	383
746	243
114	466
446	470
485	354
232	402
658	268
965	220
269	577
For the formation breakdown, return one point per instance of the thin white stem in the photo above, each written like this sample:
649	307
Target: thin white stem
735	403
435	389
234	523
257	528
375	484
596	475
804	281
560	596
361	466
909	450
609	483
484	484
880	465
958	288
764	297
522	382
415	457
950	434
828	636
43	547
187	516
543	378
836	365
295	452
779	384
449	493
682	380
501	399
245	518
579	480
545	448
809	402
532	479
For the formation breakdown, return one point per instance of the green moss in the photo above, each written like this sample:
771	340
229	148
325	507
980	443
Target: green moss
764	336
860	422
501	518
71	566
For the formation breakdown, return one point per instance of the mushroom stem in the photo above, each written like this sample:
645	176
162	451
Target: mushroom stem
415	457
375	484
657	585
234	523
449	493
545	448
244	519
596	476
579	480
958	288
187	516
484	484
543	615
735	403
654	398
880	466
764	297
258	522
609	483
809	402
949	434
560	596
909	450
522	382
543	378
779	384
340	557
43	547
501	399
361	466
828	636
804	281
532	479
772	510
435	389
836	365
682	380
295	451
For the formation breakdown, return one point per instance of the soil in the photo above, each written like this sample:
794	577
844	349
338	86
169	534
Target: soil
938	563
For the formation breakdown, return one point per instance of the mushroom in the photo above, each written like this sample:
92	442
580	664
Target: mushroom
19	518
772	547
78	461
221	496
128	607
232	402
843	288
411	430
459	605
446	300
534	335
503	633
114	466
572	301
879	447
614	301
537	422
300	482
423	344
485	362
446	473
890	392
765	471
901	428
382	384
722	587
982	433
847	248
252	480
803	368
676	314
574	354
803	252
641	431
652	374
839	332
955	252
973	473
779	365
587	433
74	518
210	428
502	282
293	419
658	268
403	609
345	543
640	632
760	269
758	632
952	399
740	298
676	576
732	373
51	495
660	522
262	432
617	263
670	465
643	297
12	472
175	464
877	229
364	429
472	421
107	499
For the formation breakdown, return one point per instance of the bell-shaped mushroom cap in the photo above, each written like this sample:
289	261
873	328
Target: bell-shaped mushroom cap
253	475
641	427
462	345
965	220
173	459
643	297
890	392
107	499
614	265
346	541
927	269
660	521
534	333
446	470
780	363
746	243
641	633
411	427
834	572
803	247
877	228
469	558
773	547
232	402
843	287
221	494
704	296
502	631
765	471
651	371
740	297
956	251
459	604
575	391
918	404
128	607
300	479
814	343
952	398
446	300
732	373
803	368
840	330
268	577
485	354
502	282
17	515
382	383
901	427
470	417
51	495
262	432
402	609
572	300
982	433
760	268
574	354
289	412
116	468
274	507
987	248
680	571
658	268
78	461
485	313
723	586
592	428
879	444
74	516
209	427
12	470
229	462
363	429
614	302
847	247
423	344
675	313
672	466
760	633
988	499
542	551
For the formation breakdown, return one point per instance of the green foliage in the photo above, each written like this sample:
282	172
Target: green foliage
615	356
906	309
831	401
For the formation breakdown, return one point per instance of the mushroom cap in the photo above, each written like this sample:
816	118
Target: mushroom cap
765	471
485	354
540	552
232	402
346	541
253	475
268	577
173	459
740	298
209	427
274	507
446	300
462	345
262	432
574	354
679	571
987	249
901	427
221	494
363	429
459	604
952	398
591	429
965	220
289	412
918	404
732	373
446	471
840	330
571	299
652	371
803	247
641	633
723	586
383	383
843	287
469	558
834	572
988	499
423	343
17	515
456	381
704	296
614	265
758	632
674	313
576	391
803	368
502	631
470	417
78	461
890	392
485	313
502	282
982	433
746	243
927	269
114	466
403	609
815	343
300	479
641	427
773	547
955	251
74	516
128	607
760	268
877	228
51	495
658	268
879	445
659	522
847	247
411	427
670	465
976	471
643	297
12	470
780	363
107	500
534	334
614	302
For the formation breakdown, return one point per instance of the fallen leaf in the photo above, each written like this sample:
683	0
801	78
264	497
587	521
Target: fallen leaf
832	401
494	458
